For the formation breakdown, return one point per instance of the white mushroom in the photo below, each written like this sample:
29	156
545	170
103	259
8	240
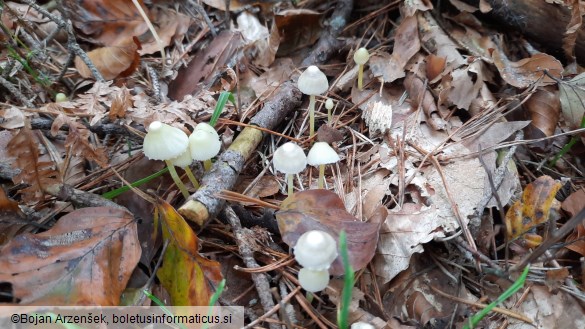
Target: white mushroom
312	82
204	144
289	159
163	142
315	250
361	57
313	281
320	155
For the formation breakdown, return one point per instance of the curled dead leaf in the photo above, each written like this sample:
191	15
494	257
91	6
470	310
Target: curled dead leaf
538	200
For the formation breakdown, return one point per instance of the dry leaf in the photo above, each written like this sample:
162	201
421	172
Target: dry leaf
298	28
110	22
85	259
572	95
12	218
323	210
78	140
224	50
420	96
572	205
527	71
435	66
260	44
112	62
120	104
547	310
533	209
37	174
11	118
544	110
406	41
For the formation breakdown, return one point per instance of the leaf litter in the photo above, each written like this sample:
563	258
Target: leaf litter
441	177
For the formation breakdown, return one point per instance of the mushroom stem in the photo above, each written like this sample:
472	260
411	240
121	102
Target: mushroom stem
360	76
321	175
192	177
311	115
289	182
176	179
329	117
207	164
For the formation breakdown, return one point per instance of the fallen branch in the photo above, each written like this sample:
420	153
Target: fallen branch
328	43
204	204
260	279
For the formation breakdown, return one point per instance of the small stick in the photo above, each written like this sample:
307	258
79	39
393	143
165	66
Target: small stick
260	279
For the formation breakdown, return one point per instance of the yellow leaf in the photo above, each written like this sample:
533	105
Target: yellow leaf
189	277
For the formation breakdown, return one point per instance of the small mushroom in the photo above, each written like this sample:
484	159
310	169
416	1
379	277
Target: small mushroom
204	144
320	155
329	107
361	57
315	250
312	82
312	280
289	159
361	325
163	142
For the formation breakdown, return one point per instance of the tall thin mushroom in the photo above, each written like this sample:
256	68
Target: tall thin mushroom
312	82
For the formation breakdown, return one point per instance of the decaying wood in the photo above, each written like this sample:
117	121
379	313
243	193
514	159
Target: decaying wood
328	43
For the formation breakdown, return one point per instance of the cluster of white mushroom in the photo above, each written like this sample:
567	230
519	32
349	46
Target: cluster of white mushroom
171	144
315	251
290	159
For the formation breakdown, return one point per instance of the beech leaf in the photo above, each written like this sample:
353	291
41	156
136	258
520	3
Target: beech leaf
189	277
85	259
533	209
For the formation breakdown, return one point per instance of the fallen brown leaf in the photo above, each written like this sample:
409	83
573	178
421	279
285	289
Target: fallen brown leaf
113	61
85	259
323	210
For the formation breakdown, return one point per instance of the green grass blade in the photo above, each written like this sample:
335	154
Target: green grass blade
343	311
114	193
223	98
519	283
214	299
161	305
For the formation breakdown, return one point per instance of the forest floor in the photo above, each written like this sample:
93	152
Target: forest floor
458	183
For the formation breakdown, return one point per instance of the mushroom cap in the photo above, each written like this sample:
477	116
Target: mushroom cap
206	127
163	142
289	158
313	81
321	153
315	250
361	325
204	142
329	104
313	281
361	56
182	160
